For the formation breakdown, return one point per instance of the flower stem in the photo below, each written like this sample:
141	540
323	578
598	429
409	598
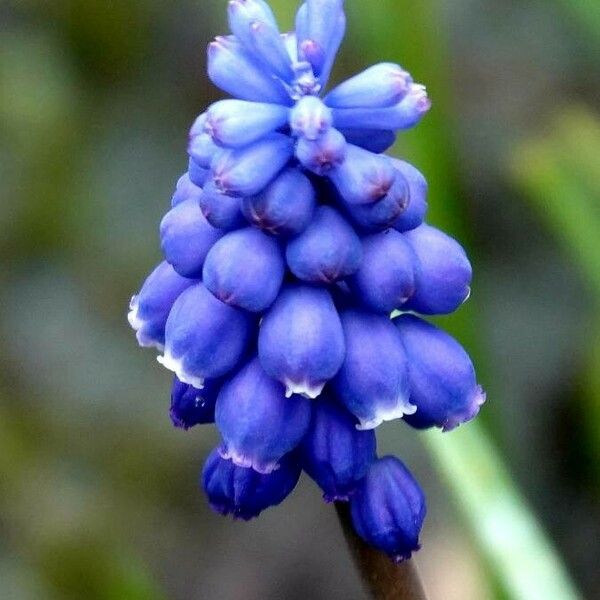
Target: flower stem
384	579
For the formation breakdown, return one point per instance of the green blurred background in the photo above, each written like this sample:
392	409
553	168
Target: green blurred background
98	494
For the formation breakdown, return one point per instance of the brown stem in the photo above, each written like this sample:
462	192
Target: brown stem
384	579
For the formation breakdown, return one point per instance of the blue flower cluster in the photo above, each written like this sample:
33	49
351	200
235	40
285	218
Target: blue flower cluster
291	239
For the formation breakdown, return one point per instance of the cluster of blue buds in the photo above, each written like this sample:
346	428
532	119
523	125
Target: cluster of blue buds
290	242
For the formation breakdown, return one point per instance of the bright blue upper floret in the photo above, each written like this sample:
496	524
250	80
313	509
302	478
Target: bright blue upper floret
290	241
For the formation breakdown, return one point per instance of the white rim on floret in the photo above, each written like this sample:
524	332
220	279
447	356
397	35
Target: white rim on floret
137	324
242	460
403	407
303	389
176	365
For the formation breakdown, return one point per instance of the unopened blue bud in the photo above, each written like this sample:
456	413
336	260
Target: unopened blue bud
191	406
388	509
324	154
385	279
237	123
363	177
150	308
442	272
373	380
379	86
442	378
269	48
247	171
404	115
204	338
221	210
198	175
242	13
300	341
334	452
373	140
245	269
258	424
232	68
384	213
321	36
326	251
310	118
245	493
186	237
285	207
414	214
185	190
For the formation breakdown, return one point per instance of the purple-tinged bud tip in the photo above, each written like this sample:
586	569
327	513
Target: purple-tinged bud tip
388	509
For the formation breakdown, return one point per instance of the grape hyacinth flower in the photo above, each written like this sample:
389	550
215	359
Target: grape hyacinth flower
289	242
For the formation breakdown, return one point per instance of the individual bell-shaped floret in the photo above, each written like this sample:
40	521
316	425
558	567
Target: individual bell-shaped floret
414	214
301	342
334	452
191	406
237	123
285	207
247	171
363	177
385	279
442	272
150	308
245	269
442	378
185	190
373	140
258	424
310	118
320	26
324	154
388	509
384	213
205	338
232	68
186	237
327	250
221	210
245	493
198	175
373	381
379	86
404	115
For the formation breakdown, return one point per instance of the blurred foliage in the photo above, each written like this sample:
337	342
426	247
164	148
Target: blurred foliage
98	495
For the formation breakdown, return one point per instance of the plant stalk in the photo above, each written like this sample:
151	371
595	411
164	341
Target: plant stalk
384	579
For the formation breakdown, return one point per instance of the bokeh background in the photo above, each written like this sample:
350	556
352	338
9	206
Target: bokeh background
98	494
